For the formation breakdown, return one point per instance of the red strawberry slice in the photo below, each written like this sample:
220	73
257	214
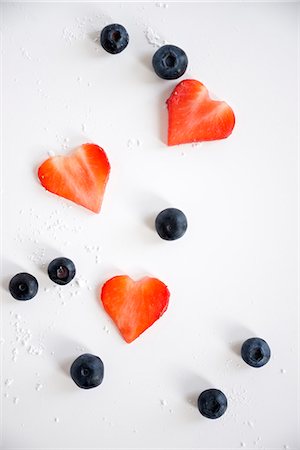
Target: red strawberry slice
80	177
134	305
195	117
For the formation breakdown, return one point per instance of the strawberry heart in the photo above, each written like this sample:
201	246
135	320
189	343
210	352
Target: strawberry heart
134	305
80	177
195	117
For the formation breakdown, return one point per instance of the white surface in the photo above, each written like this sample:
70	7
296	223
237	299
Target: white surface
232	276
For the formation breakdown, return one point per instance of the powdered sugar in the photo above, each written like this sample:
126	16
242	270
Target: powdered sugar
153	38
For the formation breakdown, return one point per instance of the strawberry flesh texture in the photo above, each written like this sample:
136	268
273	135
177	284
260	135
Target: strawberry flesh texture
80	177
195	117
134	306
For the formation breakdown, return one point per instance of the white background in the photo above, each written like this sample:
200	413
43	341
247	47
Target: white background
232	276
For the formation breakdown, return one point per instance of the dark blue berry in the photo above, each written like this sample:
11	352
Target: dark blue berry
114	38
212	403
171	224
61	270
23	286
169	62
255	352
87	371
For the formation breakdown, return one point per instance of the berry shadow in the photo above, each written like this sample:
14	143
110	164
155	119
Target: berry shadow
146	61
190	385
9	269
234	334
50	254
65	351
236	347
149	221
150	205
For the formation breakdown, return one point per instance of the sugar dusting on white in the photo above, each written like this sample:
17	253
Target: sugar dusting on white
153	38
133	143
8	382
23	338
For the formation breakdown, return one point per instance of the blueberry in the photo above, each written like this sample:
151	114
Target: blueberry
87	371
169	62
114	38
212	403
61	270
23	286
255	352
171	224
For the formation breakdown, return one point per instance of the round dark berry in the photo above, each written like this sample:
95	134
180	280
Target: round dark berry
87	371
61	270
114	38
23	286
255	352
212	403
169	62
171	224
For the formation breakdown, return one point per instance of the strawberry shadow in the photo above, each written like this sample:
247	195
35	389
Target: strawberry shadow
162	113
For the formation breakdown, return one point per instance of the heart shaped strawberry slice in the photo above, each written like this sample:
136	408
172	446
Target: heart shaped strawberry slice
195	117
134	305
80	177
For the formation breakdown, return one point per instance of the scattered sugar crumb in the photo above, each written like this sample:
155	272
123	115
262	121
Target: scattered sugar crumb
33	350
243	444
153	38
197	144
8	382
16	400
6	395
51	153
133	143
163	403
80	282
15	353
26	54
283	371
38	387
250	423
56	419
